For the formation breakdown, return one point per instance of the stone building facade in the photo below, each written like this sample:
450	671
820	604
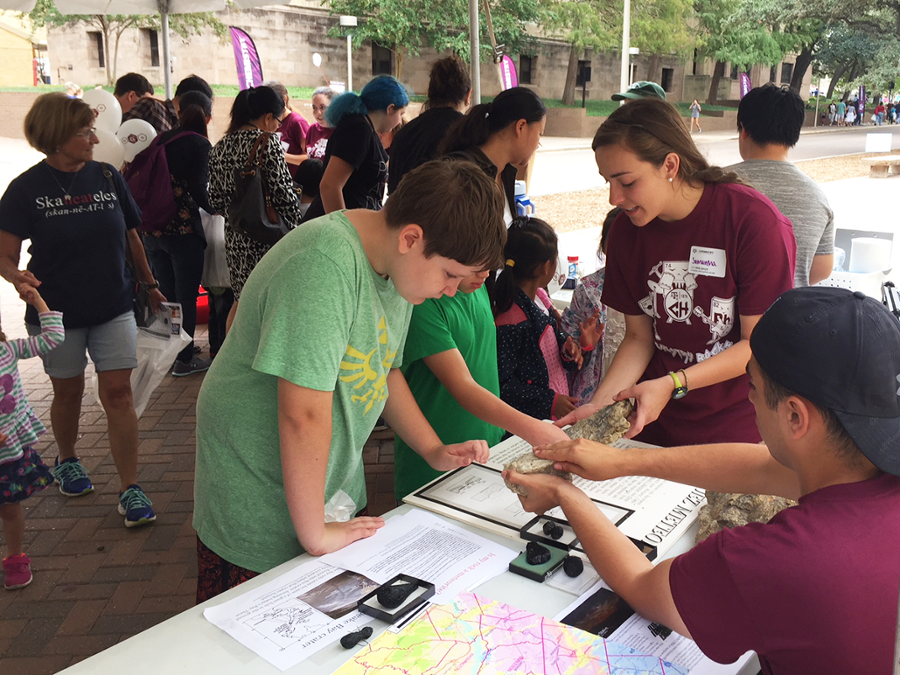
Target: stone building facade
287	37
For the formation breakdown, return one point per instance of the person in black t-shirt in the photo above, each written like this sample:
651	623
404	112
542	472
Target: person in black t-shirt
79	214
500	137
449	89
355	161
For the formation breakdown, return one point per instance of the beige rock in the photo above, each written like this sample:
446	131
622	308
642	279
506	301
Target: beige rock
527	463
607	425
733	510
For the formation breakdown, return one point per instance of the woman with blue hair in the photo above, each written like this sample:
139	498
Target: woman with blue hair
355	160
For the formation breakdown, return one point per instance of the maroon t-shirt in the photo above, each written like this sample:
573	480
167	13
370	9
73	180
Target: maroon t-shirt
733	255
293	134
317	140
813	591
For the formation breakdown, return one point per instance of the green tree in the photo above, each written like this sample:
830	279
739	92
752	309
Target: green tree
724	36
661	27
584	24
113	26
407	26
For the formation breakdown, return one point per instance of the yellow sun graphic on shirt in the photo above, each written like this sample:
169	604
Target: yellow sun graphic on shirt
357	368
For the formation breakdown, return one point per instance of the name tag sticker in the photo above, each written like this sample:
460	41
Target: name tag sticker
707	262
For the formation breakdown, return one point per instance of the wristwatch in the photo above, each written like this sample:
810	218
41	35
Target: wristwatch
150	287
681	390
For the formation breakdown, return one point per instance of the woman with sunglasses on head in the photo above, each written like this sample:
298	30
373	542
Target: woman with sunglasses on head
255	111
355	160
694	261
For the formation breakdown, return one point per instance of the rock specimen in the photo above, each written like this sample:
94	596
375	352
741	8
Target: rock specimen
350	640
573	565
393	596
606	426
527	463
536	554
553	530
733	510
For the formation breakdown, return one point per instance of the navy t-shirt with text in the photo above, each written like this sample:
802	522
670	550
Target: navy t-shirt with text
77	239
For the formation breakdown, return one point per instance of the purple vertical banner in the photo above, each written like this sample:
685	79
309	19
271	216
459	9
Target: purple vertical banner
246	59
508	73
745	84
862	105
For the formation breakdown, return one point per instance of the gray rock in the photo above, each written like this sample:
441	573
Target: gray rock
527	463
606	426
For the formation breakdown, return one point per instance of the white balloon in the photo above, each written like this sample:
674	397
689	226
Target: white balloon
135	135
107	111
109	149
317	59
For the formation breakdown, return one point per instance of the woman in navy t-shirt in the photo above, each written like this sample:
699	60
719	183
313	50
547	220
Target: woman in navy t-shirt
80	218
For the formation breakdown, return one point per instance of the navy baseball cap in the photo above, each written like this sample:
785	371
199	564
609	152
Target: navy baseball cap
641	89
841	350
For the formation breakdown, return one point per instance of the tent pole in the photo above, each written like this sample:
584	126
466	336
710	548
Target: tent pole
474	52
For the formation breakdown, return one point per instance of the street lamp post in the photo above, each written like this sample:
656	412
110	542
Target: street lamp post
349	22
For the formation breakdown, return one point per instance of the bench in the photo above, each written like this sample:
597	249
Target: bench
882	167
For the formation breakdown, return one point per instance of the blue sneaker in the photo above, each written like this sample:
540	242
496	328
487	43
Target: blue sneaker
72	477
135	506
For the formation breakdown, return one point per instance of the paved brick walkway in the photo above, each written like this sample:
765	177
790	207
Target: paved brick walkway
96	582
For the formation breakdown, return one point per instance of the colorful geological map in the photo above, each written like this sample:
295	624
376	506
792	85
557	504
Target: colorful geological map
476	635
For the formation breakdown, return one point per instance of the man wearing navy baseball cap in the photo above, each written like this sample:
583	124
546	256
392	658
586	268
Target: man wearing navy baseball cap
814	590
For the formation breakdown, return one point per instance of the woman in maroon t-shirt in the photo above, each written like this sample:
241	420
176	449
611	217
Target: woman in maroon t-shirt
693	262
318	134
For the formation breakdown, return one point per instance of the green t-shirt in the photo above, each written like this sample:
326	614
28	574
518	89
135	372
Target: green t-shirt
315	313
463	322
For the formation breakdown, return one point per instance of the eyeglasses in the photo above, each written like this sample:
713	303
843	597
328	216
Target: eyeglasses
283	117
87	134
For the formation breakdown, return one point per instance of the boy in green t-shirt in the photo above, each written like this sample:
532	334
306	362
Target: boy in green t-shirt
450	363
294	393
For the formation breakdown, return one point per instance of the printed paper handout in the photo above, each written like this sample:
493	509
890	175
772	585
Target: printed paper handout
473	634
429	548
290	618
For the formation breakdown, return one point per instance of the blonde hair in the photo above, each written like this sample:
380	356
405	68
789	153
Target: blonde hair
54	119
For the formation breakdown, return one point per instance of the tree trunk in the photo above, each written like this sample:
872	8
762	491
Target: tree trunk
104	32
568	97
718	72
838	73
801	65
653	74
398	62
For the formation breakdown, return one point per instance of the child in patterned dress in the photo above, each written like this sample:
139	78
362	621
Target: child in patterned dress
22	472
587	307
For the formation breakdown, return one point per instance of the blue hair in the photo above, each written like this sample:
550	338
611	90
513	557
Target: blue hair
381	92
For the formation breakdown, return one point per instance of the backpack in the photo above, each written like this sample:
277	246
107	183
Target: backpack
150	183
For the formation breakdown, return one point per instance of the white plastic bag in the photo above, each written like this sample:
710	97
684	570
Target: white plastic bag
215	269
156	352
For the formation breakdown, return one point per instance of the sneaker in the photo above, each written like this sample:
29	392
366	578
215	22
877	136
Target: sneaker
195	365
17	569
72	477
135	506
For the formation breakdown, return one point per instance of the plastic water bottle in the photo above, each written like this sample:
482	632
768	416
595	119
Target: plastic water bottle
524	206
573	273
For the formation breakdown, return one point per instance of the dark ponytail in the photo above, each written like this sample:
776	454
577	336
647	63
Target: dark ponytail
194	108
530	243
253	103
486	119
